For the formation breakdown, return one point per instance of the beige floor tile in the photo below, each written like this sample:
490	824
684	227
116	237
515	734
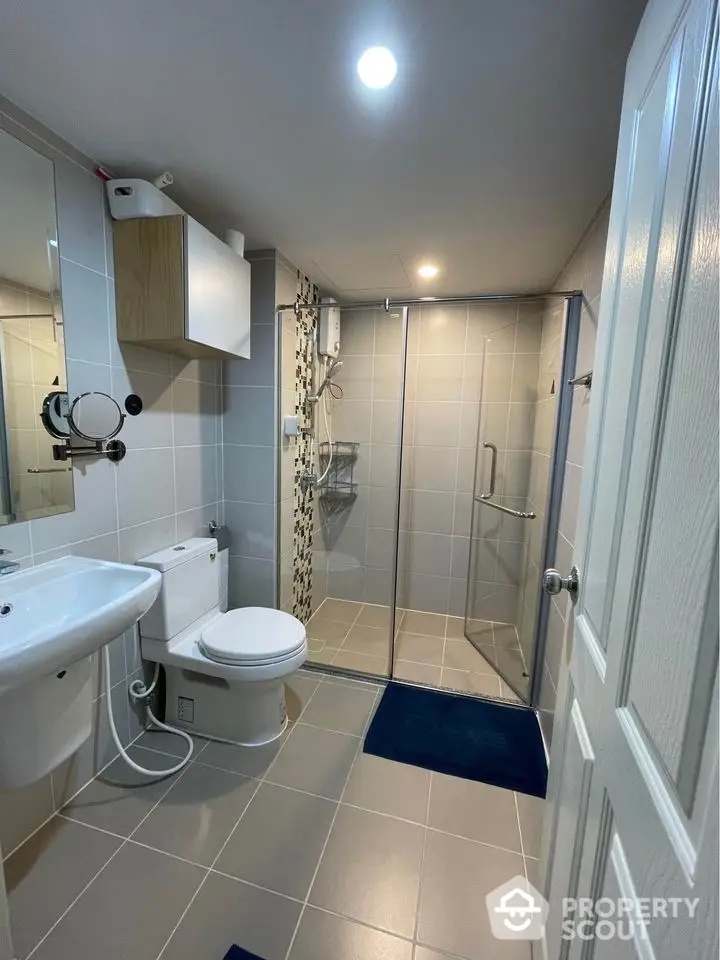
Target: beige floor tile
370	870
361	662
47	872
227	911
531	811
373	615
170	744
333	632
462	655
466	682
457	875
298	691
419	672
505	635
343	610
195	818
319	652
384	786
316	761
419	648
278	842
120	798
129	910
508	692
248	761
335	707
423	953
372	640
478	811
534	874
322	936
455	628
481	631
430	624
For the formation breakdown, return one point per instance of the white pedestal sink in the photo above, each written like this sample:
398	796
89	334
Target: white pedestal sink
53	617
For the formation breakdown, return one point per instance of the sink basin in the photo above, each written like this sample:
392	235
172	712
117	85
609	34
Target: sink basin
57	613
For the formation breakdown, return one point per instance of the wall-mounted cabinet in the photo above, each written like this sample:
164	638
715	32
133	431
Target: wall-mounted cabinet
180	289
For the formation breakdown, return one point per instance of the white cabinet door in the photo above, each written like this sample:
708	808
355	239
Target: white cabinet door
218	293
634	770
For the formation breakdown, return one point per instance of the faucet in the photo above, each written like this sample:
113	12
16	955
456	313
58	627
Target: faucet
7	566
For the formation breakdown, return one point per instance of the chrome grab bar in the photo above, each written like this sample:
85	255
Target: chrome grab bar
520	514
493	470
584	380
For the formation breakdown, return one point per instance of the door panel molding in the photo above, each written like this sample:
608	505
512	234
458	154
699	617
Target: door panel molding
661	791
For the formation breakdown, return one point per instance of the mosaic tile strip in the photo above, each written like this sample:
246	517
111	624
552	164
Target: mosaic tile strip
305	327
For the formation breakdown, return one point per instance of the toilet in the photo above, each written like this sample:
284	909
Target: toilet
224	672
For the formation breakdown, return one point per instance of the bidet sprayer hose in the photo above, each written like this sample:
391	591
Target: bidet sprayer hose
138	691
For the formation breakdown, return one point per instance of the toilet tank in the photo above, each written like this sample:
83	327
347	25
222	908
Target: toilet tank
190	587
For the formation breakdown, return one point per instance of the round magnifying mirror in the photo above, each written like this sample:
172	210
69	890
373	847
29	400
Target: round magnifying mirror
95	417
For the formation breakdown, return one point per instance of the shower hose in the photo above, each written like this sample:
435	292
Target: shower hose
138	693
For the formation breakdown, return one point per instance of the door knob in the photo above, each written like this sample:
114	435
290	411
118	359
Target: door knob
554	582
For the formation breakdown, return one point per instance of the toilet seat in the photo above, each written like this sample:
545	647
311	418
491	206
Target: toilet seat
252	637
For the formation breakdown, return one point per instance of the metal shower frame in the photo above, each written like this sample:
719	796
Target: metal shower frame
560	437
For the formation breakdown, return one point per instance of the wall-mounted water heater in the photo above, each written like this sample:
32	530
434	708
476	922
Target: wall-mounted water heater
329	330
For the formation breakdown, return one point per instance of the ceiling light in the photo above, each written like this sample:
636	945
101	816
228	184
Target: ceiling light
377	68
428	270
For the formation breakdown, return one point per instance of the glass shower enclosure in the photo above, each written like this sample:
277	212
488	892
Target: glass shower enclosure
433	495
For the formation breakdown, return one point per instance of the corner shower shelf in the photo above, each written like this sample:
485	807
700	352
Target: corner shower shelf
339	484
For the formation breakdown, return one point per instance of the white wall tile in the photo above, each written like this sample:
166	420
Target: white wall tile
249	474
146	489
249	415
85	313
196	477
252	526
95	508
80	201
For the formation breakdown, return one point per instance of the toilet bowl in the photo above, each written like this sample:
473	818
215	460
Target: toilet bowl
224	672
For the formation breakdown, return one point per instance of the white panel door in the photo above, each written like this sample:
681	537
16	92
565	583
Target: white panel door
634	769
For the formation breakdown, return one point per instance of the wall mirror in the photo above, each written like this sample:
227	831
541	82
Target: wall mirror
32	349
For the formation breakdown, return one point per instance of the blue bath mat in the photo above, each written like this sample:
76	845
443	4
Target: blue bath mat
237	953
469	738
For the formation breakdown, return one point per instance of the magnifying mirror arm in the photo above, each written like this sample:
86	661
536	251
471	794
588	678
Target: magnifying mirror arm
115	450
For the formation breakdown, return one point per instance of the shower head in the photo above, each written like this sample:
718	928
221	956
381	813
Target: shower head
332	369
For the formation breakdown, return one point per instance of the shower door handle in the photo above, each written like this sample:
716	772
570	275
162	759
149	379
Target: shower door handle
493	470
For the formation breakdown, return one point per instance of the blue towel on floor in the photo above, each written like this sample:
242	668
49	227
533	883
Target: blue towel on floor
237	953
481	740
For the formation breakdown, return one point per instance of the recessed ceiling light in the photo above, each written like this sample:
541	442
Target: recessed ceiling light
377	68
428	270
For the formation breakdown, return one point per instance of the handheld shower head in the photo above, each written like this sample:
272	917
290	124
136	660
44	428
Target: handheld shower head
332	369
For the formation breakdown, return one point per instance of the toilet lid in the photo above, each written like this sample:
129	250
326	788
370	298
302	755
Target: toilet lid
252	634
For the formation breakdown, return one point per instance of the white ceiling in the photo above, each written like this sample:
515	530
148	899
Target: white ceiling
489	153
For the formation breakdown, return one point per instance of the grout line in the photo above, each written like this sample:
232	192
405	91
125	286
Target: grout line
332	825
90	826
418	899
210	868
125	840
69	908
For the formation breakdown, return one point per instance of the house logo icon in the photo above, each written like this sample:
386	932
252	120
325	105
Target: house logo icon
517	911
